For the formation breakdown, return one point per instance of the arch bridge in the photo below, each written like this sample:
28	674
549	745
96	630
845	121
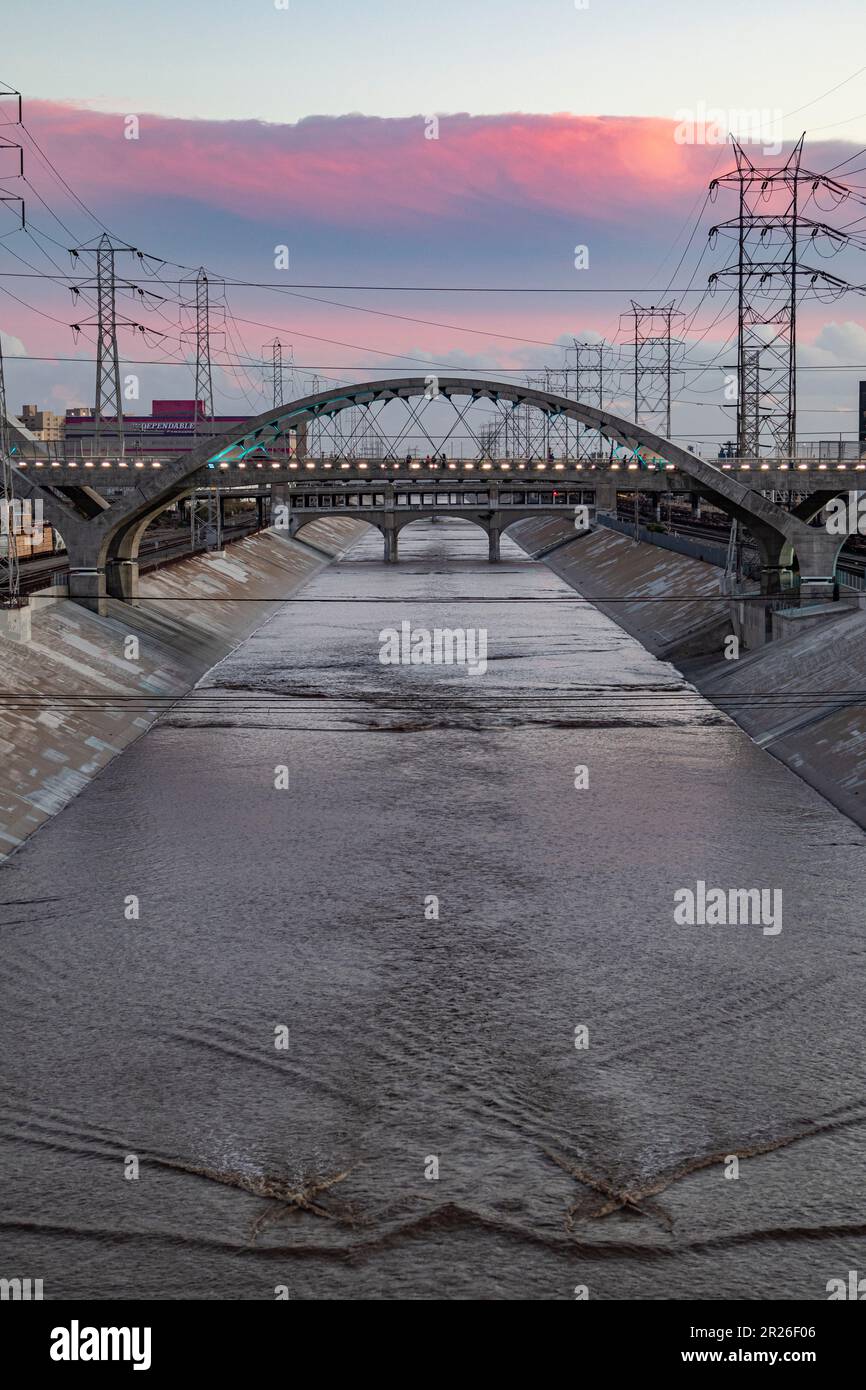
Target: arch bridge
103	535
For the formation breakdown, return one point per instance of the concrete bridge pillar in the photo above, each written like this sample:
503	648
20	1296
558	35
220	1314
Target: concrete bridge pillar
121	580
493	539
776	558
696	506
87	586
656	505
817	552
390	536
605	497
281	507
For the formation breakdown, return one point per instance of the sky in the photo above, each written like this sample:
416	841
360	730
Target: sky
309	127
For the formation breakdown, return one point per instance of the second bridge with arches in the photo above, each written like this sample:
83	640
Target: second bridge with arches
392	506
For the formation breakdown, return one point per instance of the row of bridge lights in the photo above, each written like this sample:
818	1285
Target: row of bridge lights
391	467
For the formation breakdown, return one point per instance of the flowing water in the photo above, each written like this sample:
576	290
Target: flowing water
336	989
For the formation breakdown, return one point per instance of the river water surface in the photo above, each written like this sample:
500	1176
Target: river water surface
415	1043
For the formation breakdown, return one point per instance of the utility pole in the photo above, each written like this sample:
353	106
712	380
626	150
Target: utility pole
653	349
109	398
770	278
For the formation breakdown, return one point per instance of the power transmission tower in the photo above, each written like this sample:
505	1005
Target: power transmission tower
277	372
205	512
589	388
203	374
10	587
653	351
109	398
768	273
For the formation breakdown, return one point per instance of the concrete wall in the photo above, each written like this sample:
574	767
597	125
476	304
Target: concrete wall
670	602
72	699
801	697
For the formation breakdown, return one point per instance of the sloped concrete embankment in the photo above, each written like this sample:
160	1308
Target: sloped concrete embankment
802	698
670	602
71	699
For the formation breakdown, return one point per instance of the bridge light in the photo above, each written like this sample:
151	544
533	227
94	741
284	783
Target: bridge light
859	466
764	467
802	467
223	465
88	464
291	465
579	467
783	467
745	467
139	463
632	467
822	467
559	467
276	465
615	467
159	465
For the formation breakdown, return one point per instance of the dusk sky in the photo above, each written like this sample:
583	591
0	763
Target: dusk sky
260	127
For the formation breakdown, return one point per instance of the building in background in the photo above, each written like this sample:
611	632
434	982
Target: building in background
44	424
172	428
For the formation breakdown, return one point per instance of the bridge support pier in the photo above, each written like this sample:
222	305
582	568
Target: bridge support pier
121	580
390	536
493	539
87	587
817	552
696	506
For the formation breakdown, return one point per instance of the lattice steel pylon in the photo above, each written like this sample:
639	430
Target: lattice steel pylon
589	387
653	364
109	398
10	585
768	273
203	373
205	511
275	367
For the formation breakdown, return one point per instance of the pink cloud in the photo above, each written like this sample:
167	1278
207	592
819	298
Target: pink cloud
366	170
